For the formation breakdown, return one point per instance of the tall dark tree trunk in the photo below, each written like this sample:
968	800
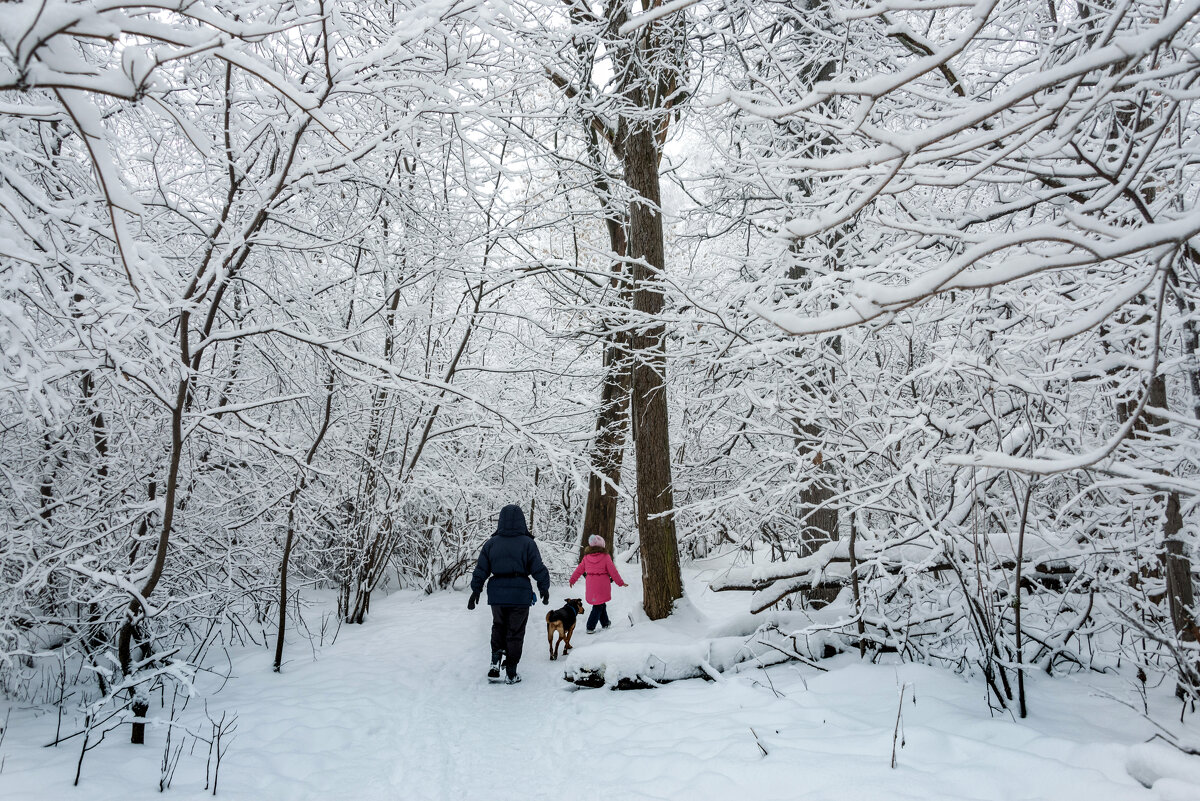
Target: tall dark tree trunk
648	66
1176	563
1180	591
820	518
662	583
819	515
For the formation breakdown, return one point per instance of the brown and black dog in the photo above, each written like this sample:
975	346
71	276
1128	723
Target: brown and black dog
562	621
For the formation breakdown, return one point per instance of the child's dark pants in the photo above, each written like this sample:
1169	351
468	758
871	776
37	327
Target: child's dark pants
599	615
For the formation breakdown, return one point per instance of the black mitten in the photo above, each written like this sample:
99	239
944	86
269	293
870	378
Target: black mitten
545	597
473	600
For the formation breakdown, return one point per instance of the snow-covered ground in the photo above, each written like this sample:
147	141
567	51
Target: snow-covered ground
400	709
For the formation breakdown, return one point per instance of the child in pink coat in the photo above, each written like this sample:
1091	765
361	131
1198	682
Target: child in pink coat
600	571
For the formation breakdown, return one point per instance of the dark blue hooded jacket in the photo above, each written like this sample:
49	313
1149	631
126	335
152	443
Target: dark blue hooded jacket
510	557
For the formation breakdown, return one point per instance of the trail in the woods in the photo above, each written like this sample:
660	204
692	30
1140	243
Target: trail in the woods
400	709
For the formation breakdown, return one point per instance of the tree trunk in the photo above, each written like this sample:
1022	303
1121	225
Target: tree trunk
1176	562
821	524
647	63
662	583
1174	558
1180	592
820	517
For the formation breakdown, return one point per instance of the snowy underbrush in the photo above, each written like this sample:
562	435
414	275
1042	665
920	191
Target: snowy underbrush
928	617
709	639
975	603
182	659
398	709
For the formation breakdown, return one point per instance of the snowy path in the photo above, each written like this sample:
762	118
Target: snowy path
399	709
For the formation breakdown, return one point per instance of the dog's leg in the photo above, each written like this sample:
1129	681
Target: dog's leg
567	649
550	638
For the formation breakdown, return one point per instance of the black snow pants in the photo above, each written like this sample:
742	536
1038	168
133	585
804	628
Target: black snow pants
508	633
599	615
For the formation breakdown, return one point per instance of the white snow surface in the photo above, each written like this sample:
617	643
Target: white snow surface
1171	772
399	708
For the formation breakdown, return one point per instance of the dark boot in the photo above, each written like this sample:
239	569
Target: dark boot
496	666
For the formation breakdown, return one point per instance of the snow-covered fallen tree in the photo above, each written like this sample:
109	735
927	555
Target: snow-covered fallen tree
705	651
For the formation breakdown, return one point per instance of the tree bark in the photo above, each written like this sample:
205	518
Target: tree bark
647	64
662	583
1175	562
821	520
1180	592
820	517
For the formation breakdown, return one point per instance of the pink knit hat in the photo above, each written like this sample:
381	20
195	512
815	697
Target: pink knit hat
596	541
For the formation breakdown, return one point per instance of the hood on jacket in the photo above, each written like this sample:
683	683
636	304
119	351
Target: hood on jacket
591	549
512	522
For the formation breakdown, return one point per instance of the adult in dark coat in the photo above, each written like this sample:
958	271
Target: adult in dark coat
510	557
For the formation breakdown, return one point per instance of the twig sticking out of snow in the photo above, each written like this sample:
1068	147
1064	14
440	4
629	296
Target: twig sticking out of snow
761	747
898	730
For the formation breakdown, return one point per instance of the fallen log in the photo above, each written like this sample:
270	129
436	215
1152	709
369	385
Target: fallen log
642	666
594	679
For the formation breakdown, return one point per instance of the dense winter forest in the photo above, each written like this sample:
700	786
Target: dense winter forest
879	317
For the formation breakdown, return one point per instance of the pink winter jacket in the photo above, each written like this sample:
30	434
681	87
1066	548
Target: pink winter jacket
600	570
